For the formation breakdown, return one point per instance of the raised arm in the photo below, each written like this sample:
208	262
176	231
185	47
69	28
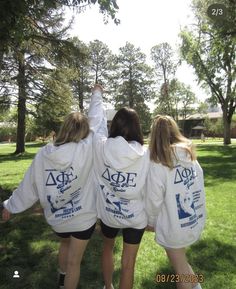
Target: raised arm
96	113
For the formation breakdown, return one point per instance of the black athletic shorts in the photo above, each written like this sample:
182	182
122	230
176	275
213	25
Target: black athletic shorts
82	235
130	235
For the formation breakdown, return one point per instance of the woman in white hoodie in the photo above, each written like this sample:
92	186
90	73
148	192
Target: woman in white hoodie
61	177
175	200
121	165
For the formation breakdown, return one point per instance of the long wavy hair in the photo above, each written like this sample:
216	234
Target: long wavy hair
126	123
165	134
74	128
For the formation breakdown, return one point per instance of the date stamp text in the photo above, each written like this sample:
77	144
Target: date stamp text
176	278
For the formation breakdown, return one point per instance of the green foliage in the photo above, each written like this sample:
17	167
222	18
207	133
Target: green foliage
175	99
133	82
32	43
55	103
208	125
202	108
102	62
209	48
7	133
165	65
108	8
31	58
165	101
219	126
165	68
214	128
8	120
81	81
185	99
16	16
5	103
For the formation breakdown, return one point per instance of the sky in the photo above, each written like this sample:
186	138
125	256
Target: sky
144	23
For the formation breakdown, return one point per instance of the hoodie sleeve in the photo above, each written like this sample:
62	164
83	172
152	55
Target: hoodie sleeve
155	193
96	113
25	195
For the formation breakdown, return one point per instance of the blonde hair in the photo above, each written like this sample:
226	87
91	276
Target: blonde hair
165	134
74	128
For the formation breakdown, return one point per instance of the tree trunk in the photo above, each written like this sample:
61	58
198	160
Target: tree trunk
96	74
21	108
81	96
131	96
227	132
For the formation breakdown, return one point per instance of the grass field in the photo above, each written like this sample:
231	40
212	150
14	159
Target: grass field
28	245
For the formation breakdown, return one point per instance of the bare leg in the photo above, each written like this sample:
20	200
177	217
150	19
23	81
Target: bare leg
127	265
181	266
63	253
107	261
75	255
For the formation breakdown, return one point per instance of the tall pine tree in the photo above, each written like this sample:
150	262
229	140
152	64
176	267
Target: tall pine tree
134	81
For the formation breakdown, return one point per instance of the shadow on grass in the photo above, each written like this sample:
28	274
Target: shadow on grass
35	145
4	193
91	271
211	258
228	150
14	158
24	156
218	163
28	243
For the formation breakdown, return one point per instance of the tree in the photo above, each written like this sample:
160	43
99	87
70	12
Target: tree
186	100
219	127
81	68
209	126
55	102
165	68
181	101
26	64
214	128
8	125
102	61
210	49
134	82
15	15
5	103
27	29
202	107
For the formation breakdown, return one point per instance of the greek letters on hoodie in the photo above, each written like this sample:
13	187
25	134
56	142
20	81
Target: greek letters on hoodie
121	168
175	201
61	178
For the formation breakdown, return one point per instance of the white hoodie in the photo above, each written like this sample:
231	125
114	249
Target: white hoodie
175	201
61	178
121	168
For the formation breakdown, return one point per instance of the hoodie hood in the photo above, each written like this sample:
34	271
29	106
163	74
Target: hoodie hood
60	157
182	155
120	168
121	154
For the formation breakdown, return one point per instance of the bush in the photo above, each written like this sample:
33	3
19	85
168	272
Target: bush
7	133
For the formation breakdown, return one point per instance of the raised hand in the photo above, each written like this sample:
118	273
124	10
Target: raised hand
97	86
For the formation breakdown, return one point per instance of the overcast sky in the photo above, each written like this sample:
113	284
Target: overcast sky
144	23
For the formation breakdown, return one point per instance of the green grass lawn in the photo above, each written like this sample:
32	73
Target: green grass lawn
26	241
